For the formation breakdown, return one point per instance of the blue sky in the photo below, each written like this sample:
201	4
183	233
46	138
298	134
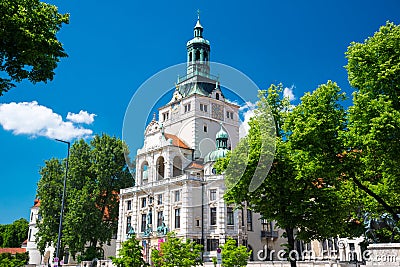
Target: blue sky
114	46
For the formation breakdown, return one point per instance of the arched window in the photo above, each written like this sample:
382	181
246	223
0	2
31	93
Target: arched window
145	171
205	56
177	168
160	168
197	55
190	57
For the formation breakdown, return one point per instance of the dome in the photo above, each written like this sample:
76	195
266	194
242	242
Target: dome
198	25
221	134
216	154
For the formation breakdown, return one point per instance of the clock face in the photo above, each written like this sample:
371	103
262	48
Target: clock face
217	111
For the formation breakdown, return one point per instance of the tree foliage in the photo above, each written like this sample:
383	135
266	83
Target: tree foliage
373	138
29	48
97	171
301	188
17	260
130	254
233	255
12	235
175	252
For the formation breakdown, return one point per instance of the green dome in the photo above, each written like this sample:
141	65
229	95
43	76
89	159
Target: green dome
221	134
216	154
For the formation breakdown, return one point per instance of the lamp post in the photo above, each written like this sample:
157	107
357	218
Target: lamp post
62	203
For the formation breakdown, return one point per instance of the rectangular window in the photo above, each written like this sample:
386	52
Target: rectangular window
160	218
242	217
187	107
232	115
165	116
249	220
177	218
205	128
213	216
159	199
177	195
143	202
129	205
212	244
229	216
30	234
143	224
128	223
203	107
213	194
229	115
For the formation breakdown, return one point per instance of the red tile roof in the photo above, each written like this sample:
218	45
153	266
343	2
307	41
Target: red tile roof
12	250
36	203
176	141
195	165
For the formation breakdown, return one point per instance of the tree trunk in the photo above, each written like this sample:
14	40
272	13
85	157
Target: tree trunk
290	237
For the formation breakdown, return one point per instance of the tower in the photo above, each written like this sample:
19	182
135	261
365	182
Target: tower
198	52
198	106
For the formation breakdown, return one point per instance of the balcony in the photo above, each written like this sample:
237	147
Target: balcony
269	234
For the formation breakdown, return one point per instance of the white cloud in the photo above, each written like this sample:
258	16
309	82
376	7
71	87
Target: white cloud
247	112
34	120
81	117
288	92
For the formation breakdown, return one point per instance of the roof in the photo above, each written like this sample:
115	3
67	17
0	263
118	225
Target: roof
176	141
216	154
201	88
198	25
195	165
221	134
36	203
12	250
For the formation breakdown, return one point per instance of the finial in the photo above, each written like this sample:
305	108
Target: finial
198	14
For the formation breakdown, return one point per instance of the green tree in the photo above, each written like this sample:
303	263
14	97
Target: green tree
301	188
97	171
373	137
12	235
17	260
175	252
49	192
130	254
233	255
29	48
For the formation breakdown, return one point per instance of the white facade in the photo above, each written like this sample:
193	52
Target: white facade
35	258
176	190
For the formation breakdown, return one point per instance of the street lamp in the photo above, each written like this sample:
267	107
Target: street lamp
62	203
